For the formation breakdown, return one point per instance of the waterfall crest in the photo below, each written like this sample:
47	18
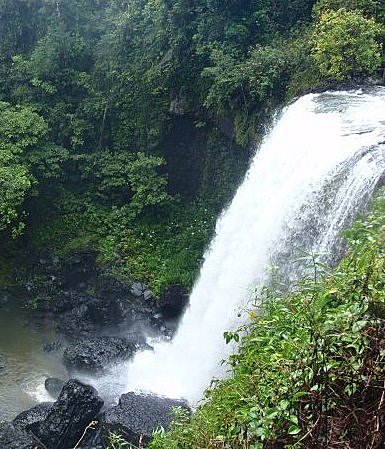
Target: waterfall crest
319	165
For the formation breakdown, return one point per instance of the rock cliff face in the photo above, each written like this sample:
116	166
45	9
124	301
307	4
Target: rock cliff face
86	301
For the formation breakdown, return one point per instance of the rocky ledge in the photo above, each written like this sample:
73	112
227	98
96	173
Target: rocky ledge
100	320
97	353
86	300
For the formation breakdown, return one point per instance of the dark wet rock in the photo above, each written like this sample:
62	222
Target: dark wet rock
109	303
79	268
138	415
28	419
92	445
76	323
85	300
98	352
137	289
147	295
12	437
172	302
66	300
54	386
77	406
113	302
52	346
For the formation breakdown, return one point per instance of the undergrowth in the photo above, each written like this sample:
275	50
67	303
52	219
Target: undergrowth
158	250
309	372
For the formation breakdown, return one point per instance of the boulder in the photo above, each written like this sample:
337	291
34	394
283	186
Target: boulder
77	406
98	352
29	419
12	437
137	415
54	386
139	290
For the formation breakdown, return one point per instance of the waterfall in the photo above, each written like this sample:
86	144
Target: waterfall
317	166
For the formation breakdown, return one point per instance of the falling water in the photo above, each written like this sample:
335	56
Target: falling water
319	164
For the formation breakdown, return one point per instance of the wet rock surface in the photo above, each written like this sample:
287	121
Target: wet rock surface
54	386
137	416
77	418
28	419
53	346
95	354
84	299
57	425
77	406
172	302
12	437
2	364
101	321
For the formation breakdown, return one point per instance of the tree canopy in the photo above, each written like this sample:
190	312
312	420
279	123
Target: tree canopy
346	44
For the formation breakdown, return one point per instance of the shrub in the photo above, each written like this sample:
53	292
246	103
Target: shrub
344	44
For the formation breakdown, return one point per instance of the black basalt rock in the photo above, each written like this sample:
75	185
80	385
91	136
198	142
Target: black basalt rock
138	415
77	406
29	419
172	302
76	323
95	354
54	386
12	437
53	346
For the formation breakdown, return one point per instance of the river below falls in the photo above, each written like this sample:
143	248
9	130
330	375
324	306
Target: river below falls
22	338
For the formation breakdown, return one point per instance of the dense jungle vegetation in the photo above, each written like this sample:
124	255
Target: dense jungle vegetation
125	126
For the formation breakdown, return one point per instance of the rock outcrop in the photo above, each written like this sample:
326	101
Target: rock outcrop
77	406
138	415
97	353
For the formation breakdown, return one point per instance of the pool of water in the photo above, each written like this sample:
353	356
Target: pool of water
22	336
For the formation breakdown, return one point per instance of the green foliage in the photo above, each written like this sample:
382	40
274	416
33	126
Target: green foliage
19	26
302	355
21	130
167	252
370	8
117	442
48	161
126	179
345	44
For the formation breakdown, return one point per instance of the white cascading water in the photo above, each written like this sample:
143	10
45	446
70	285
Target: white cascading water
314	170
